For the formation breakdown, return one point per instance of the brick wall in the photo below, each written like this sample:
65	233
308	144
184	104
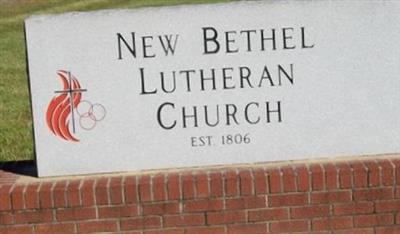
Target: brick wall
347	196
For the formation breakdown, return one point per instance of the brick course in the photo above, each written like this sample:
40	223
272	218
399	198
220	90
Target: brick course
348	196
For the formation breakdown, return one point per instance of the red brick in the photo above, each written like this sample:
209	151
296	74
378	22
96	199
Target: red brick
268	214
353	208
344	222
5	198
247	229
155	231
116	190
164	231
387	172
101	191
16	229
397	192
317	177
246	183
130	189
146	222
356	231
313	232
373	207
309	211
289	226
17	197
73	197
360	175
373	173
60	194
202	186
72	214
173	187
296	199
260	182
396	163
303	178
87	193
205	230
251	202
373	194
330	197
289	179
6	218
36	216
226	217
345	175
275	181
161	208
184	220
8	178
51	228
387	230
159	188
203	205
216	185
373	220
45	195
118	211
231	183
332	176
188	184
387	206
97	226
145	188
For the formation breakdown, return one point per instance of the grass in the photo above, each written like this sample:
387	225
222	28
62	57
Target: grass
16	137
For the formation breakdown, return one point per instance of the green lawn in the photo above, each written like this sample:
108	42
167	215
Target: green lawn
16	138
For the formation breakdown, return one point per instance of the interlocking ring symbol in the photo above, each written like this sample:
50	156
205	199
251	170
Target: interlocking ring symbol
90	114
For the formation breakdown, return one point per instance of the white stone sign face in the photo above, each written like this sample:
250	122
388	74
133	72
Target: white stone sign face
151	88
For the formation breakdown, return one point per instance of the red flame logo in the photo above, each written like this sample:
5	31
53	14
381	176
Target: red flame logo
60	111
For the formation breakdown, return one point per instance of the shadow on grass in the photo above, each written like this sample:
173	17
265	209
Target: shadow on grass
27	167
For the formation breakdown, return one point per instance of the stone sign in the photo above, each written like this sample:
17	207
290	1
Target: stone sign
150	88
